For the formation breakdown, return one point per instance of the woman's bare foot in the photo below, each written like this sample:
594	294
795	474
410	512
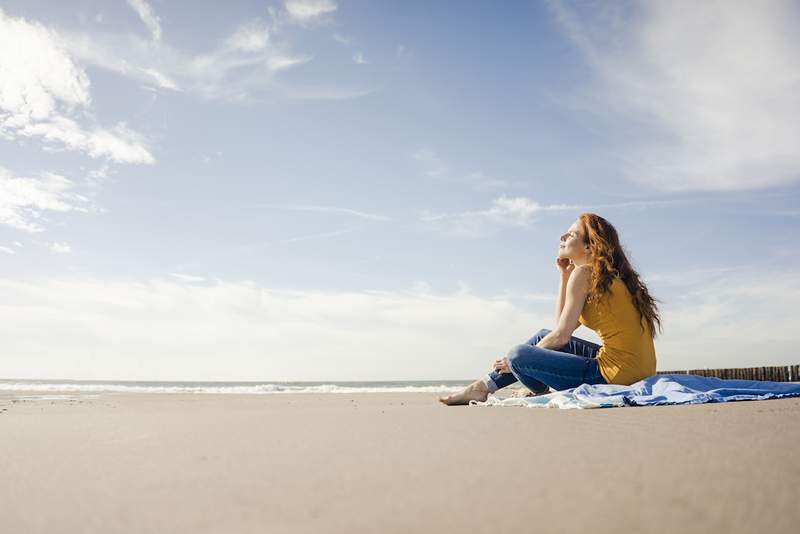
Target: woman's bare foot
476	391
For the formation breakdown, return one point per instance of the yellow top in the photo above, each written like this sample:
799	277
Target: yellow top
628	353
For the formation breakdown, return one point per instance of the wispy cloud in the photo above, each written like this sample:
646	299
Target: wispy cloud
358	58
162	80
336	210
508	211
435	166
243	62
520	211
330	209
59	247
24	201
44	94
710	90
321	91
305	11
148	16
242	66
252	36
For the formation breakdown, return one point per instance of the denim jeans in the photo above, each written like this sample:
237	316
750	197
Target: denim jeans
570	366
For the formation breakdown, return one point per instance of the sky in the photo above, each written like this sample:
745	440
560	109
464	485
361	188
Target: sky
341	190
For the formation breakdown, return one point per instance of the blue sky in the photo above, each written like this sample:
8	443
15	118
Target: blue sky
332	190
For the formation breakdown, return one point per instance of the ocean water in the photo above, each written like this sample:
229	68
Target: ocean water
233	388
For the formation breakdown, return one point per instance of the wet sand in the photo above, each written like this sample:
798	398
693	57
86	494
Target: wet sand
385	462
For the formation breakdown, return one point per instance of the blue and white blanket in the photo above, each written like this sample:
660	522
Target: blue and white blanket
657	389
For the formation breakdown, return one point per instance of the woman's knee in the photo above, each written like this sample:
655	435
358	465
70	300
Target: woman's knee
543	332
519	351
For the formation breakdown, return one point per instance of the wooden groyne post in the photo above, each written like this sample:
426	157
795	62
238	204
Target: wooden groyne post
776	373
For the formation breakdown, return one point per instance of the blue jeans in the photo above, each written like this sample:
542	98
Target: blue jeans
570	366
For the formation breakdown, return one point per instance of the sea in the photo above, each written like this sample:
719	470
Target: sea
232	388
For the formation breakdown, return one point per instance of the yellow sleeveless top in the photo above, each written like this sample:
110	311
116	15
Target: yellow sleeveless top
627	354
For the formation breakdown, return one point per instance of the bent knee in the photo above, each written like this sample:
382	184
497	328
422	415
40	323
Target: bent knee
543	332
517	351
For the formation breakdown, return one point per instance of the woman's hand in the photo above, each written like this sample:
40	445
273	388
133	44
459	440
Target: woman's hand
565	266
501	365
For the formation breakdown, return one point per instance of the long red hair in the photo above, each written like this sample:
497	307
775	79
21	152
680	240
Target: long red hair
608	260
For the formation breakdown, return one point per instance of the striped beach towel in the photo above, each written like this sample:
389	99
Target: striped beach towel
654	390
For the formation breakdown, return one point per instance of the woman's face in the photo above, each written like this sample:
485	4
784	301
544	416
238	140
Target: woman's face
571	245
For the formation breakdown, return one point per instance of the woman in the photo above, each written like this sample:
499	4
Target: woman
599	289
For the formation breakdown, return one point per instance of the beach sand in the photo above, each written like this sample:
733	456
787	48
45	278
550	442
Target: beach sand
386	462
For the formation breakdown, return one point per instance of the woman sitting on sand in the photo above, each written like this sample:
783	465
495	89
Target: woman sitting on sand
599	289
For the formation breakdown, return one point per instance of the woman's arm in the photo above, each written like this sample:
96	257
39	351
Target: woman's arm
577	287
562	294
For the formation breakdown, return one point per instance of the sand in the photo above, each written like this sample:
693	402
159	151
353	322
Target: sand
385	462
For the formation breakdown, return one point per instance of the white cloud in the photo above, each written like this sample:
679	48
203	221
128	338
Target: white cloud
37	74
243	331
59	247
148	16
43	92
241	66
278	62
715	84
509	211
252	36
226	330
307	10
119	143
244	62
161	80
23	201
358	58
7	250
